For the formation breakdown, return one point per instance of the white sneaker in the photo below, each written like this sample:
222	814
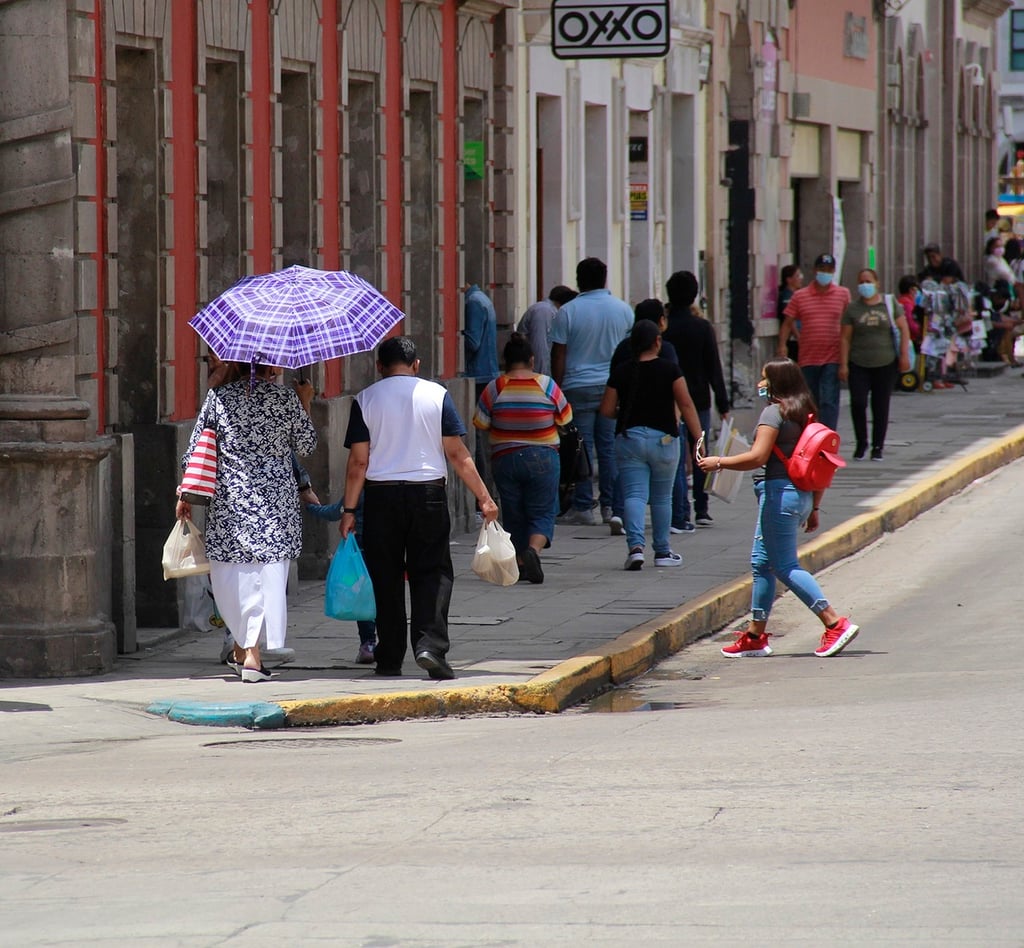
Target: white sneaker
581	518
617	527
635	561
668	559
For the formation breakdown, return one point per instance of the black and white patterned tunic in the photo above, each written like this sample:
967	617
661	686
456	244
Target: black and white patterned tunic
255	515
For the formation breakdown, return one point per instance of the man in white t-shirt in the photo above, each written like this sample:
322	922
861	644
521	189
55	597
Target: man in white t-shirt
402	434
584	335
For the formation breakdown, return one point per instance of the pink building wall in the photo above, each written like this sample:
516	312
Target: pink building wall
818	38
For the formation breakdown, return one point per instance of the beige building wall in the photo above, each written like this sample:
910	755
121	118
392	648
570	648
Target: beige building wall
580	193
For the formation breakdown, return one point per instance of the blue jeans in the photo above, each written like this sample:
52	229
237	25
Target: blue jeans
647	468
527	482
823	381
781	511
680	489
599	435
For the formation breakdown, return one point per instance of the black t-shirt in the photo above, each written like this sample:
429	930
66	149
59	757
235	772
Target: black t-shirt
645	393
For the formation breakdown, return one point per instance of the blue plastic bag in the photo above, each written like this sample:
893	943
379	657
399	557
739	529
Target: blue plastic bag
349	590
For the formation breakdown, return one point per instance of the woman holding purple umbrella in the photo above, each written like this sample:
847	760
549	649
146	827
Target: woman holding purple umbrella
254	523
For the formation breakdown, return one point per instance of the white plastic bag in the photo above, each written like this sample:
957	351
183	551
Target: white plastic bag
495	557
185	552
725	484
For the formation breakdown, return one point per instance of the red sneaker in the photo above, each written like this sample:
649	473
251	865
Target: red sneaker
837	638
748	646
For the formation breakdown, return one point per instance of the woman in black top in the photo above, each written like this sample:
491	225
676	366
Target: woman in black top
646	397
782	510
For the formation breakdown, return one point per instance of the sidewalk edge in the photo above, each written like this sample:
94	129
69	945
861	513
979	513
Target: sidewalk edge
639	649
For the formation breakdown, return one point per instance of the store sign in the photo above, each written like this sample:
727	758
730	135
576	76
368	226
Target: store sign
638	148
473	160
855	36
609	29
638	202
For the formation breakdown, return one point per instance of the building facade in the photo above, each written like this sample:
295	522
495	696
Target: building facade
612	160
184	146
152	152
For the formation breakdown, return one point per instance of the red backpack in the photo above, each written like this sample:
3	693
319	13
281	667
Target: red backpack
814	460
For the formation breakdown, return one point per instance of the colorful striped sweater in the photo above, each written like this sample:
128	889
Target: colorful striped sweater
522	413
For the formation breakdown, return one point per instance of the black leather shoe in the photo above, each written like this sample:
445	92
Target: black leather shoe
436	666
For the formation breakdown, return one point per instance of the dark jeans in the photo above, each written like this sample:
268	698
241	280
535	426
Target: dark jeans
877	384
406	529
680	489
823	381
527	480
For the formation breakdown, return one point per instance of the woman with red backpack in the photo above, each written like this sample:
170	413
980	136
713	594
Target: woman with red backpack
782	509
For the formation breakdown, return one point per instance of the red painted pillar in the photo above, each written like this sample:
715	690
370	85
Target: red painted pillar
262	137
330	247
183	201
451	165
394	149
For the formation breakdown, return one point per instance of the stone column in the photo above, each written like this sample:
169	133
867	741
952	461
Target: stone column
54	477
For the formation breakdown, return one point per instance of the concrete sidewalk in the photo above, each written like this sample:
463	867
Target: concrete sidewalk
591	624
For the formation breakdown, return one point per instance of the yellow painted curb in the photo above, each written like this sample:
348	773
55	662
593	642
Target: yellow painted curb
394	706
638	650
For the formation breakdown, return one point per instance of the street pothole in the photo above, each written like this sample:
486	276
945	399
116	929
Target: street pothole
304	743
617	700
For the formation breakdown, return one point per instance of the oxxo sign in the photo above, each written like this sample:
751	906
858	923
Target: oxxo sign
609	29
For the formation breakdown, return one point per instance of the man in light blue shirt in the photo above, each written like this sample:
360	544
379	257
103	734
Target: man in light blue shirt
536	326
480	336
584	335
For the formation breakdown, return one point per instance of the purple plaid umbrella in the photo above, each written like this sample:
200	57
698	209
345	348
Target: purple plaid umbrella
296	317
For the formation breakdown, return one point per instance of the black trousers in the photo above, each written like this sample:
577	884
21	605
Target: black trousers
406	531
876	384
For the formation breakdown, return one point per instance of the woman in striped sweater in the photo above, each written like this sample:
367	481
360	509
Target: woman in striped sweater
522	411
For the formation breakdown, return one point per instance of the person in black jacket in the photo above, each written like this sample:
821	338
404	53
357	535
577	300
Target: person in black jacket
694	340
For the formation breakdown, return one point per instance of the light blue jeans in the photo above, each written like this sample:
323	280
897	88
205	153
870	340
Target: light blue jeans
599	435
647	470
782	509
823	381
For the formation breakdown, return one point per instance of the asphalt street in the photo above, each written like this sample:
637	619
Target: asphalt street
868	799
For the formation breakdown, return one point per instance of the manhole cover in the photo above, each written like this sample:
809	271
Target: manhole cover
29	826
305	743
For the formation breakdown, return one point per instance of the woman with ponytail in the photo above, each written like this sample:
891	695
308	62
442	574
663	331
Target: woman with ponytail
647	396
782	510
522	412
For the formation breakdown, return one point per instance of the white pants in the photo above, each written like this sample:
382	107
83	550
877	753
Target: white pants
251	598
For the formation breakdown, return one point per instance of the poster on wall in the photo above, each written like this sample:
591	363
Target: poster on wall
638	202
838	236
770	292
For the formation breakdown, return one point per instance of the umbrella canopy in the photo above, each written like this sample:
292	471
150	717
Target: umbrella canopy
296	317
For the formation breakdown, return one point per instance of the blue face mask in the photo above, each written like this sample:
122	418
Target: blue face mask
762	390
824	279
919	298
866	290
